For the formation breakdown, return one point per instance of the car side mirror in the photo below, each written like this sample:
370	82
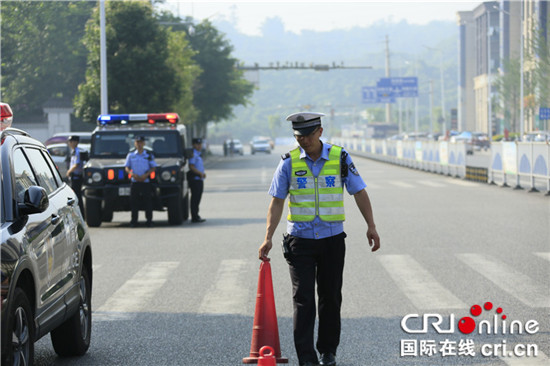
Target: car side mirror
35	200
189	153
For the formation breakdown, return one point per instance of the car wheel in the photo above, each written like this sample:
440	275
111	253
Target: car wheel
93	212
185	207
107	216
20	351
72	338
175	215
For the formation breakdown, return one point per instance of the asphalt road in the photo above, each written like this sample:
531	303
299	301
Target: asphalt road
186	295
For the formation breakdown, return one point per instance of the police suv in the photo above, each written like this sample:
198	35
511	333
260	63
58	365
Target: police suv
106	183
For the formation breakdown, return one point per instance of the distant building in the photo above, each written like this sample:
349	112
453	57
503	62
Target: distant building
489	35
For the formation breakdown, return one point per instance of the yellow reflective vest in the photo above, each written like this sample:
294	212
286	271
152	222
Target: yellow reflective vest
311	196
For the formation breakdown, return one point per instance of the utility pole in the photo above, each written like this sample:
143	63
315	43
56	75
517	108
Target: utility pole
388	105
431	106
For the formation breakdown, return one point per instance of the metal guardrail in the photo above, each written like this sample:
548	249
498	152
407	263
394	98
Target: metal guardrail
518	159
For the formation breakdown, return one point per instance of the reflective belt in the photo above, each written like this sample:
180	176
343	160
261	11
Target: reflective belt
312	196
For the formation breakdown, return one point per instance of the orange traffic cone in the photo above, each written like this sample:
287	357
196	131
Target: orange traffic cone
265	331
266	359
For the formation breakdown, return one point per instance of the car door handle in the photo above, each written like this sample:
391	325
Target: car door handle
55	219
70	201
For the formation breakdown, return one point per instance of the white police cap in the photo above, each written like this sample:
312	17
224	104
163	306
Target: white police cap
304	123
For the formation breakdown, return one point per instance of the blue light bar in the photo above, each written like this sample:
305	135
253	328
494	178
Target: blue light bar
122	119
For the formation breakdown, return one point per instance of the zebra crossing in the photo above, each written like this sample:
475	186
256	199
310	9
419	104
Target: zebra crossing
418	284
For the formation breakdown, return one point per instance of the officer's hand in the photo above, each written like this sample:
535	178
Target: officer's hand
265	248
203	175
373	239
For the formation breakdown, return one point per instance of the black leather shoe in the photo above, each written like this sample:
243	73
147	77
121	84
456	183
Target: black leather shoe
328	359
200	219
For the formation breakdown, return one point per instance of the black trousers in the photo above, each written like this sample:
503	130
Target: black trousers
76	185
196	186
141	192
320	261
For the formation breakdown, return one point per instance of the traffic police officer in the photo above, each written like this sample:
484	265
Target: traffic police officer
140	164
314	175
196	177
74	173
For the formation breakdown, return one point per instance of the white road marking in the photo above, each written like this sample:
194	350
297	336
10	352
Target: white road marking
373	186
266	176
430	183
462	183
540	359
544	255
227	295
422	289
134	294
400	184
508	279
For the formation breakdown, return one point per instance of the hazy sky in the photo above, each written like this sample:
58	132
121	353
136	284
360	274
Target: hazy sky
319	15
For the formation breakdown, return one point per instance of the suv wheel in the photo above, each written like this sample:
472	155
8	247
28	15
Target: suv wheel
20	350
107	215
185	207
175	215
93	212
72	338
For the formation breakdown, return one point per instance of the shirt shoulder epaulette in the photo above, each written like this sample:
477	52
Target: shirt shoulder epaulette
285	156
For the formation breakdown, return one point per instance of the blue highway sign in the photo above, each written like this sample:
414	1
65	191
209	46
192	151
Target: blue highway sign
397	87
544	113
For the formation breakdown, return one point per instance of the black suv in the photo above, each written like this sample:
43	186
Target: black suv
107	185
46	255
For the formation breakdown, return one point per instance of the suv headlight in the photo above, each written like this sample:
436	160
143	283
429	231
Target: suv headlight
168	175
94	177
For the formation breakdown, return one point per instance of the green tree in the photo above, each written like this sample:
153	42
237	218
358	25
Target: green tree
507	86
145	70
186	72
542	68
42	53
220	86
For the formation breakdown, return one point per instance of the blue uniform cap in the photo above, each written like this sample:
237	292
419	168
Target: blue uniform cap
304	123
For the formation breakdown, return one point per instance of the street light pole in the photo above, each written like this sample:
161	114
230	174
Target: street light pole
442	94
521	37
521	112
442	87
489	101
103	58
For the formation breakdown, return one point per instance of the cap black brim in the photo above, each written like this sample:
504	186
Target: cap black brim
305	131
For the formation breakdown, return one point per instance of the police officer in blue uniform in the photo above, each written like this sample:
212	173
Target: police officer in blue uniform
74	173
314	176
196	177
140	164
